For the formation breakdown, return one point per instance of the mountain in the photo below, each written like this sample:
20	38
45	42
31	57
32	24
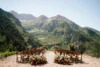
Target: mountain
23	16
60	31
12	35
59	17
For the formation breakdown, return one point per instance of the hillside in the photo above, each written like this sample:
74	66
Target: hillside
11	32
12	35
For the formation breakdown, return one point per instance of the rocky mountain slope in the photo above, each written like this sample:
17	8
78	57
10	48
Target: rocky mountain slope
12	35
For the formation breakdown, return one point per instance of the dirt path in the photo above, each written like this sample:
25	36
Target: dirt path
89	62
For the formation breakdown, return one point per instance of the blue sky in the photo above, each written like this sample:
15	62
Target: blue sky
83	12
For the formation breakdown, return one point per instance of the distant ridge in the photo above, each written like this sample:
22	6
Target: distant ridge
23	16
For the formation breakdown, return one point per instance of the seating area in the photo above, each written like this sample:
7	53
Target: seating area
67	57
34	56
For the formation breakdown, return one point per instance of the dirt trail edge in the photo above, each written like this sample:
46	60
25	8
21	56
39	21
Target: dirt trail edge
89	62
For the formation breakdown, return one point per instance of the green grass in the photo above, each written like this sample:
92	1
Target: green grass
6	54
50	39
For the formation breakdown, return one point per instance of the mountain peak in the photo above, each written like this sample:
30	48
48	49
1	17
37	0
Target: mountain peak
13	12
43	17
23	16
59	17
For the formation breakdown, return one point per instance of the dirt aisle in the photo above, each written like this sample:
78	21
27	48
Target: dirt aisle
89	62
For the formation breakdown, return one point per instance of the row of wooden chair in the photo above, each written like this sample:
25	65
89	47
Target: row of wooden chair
24	55
75	56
